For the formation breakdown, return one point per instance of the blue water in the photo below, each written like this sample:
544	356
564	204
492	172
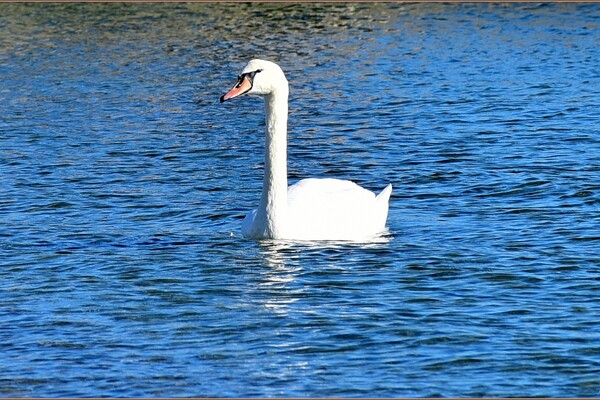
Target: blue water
123	183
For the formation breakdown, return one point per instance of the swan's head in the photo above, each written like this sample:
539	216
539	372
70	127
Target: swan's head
258	77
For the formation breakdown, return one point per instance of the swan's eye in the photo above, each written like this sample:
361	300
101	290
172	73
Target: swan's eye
251	75
240	79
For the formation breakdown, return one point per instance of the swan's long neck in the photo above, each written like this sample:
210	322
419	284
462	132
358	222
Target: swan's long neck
273	202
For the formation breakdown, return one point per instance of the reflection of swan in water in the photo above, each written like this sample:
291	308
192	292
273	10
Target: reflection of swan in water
311	209
282	269
286	261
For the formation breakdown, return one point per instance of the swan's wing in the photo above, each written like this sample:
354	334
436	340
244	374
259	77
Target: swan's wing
334	207
313	190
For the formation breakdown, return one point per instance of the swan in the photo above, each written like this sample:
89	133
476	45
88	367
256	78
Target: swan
312	209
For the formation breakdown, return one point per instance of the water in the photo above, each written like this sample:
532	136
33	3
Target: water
124	182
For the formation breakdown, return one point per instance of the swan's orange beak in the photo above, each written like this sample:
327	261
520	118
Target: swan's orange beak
243	85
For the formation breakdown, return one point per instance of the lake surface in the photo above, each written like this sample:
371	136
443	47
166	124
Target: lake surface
123	184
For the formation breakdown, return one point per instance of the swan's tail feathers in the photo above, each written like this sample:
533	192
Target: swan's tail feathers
383	204
384	196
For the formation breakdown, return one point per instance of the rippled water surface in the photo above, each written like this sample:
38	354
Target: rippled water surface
123	183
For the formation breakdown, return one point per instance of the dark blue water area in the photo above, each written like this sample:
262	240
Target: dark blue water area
123	184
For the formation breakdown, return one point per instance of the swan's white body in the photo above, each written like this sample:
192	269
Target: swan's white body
312	209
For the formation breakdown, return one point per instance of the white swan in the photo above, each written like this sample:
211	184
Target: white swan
312	209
